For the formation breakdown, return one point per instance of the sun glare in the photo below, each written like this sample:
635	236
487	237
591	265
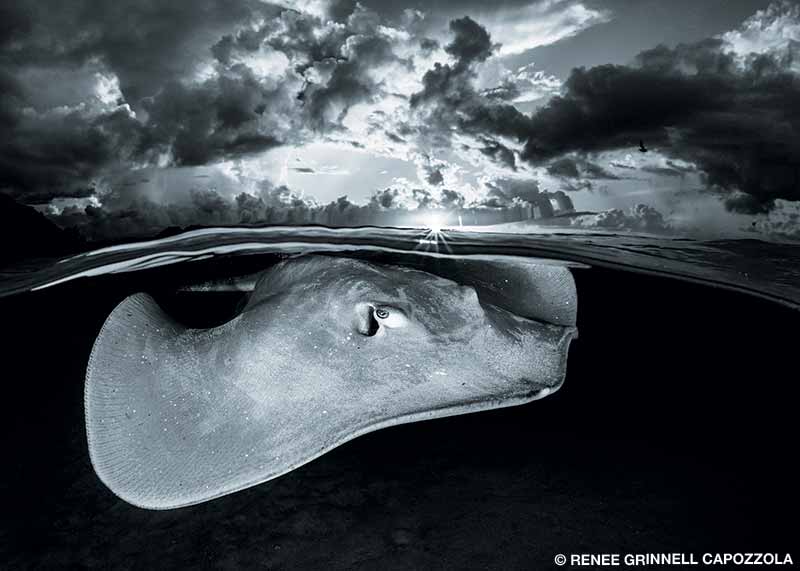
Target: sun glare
433	235
434	223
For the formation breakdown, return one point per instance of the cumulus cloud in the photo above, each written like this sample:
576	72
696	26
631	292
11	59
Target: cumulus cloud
515	192
401	203
638	218
735	119
528	25
187	84
774	30
226	82
147	45
268	204
781	222
523	85
234	80
449	101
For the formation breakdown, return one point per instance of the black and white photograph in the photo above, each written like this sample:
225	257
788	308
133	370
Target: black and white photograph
373	284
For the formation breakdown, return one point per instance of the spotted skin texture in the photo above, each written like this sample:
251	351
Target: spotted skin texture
325	350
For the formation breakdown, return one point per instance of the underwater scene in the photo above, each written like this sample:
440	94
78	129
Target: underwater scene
272	383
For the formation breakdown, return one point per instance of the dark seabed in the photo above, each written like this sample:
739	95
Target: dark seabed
674	431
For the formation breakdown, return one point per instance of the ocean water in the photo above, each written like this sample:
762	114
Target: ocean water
674	430
767	269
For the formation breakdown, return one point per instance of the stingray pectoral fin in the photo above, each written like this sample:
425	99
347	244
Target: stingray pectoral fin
167	429
118	387
163	430
153	425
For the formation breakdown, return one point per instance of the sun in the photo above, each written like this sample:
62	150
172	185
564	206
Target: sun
433	235
434	224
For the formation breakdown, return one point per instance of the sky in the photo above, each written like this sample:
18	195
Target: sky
120	118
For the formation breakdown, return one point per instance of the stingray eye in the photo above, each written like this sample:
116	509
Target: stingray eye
390	317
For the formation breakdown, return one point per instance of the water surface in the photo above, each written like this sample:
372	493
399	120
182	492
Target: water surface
765	269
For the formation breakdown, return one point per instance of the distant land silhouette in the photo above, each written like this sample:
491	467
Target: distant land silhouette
27	233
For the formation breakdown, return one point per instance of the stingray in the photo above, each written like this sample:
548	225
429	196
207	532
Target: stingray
325	349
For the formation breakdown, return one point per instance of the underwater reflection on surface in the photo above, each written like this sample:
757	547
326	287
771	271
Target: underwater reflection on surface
766	269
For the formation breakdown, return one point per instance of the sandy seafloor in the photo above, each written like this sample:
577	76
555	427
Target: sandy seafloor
674	431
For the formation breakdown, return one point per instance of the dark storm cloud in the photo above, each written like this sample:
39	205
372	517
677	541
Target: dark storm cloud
45	157
11	98
435	177
61	137
449	99
168	109
499	153
346	53
471	42
564	167
223	117
737	119
450	86
91	89
739	123
502	120
350	80
569	167
613	107
145	43
428	45
52	154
